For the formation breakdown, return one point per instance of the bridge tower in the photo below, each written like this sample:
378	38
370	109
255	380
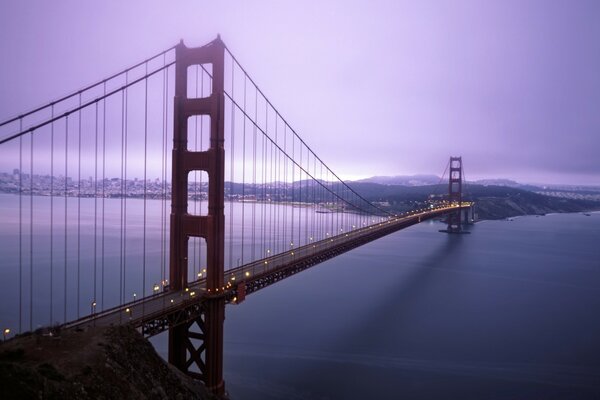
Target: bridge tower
455	194
196	347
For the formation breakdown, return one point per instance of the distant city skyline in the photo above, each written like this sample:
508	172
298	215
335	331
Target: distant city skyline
72	179
375	88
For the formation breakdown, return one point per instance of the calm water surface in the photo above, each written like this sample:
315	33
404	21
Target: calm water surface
507	312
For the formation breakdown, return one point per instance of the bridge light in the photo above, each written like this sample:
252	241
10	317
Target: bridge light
5	333
156	288
127	310
172	301
268	251
233	278
292	253
187	289
199	274
134	296
192	294
248	273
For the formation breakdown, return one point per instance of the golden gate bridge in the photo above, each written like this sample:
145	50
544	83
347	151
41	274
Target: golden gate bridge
250	204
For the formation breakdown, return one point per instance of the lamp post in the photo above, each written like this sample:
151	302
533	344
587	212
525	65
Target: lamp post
5	333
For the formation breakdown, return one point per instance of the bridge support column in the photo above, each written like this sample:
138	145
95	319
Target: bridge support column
197	347
455	219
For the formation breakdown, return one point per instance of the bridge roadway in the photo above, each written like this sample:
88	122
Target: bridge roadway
166	309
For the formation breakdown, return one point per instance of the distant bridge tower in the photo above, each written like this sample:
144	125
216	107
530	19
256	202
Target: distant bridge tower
196	347
455	194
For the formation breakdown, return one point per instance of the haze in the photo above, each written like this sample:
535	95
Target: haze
375	87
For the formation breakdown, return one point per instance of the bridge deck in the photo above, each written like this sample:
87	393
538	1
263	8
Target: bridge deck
158	312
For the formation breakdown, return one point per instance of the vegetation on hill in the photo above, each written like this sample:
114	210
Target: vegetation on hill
492	202
111	363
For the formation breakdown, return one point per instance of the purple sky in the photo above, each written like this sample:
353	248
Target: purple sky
512	86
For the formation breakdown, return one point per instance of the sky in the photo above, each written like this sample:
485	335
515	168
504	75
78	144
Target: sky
374	87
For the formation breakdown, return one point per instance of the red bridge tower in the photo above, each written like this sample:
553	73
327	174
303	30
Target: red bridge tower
196	347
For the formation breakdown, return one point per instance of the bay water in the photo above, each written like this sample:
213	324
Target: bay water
509	311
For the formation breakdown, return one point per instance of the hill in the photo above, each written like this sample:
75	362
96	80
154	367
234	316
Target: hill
109	363
492	202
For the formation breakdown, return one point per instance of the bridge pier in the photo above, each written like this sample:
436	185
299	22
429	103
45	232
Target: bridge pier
459	217
196	347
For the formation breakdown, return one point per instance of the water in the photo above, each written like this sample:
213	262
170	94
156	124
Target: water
507	312
63	255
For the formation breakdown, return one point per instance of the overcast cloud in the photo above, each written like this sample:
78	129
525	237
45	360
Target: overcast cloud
375	87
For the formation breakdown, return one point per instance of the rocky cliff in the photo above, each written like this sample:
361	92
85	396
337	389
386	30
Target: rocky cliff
111	363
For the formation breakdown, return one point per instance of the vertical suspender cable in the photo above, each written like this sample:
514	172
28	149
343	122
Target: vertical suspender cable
121	290
264	195
79	212
243	171
254	178
285	179
162	176
95	208
275	190
103	192
52	218
125	183
145	188
231	155
66	200
163	217
291	244
20	227
31	235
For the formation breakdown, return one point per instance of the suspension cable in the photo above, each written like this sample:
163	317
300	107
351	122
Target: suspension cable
84	89
84	105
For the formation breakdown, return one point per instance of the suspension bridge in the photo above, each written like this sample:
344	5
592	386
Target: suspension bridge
90	239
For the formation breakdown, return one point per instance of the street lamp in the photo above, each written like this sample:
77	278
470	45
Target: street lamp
93	307
5	333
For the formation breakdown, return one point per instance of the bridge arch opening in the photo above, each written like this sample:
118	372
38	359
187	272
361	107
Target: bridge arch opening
199	81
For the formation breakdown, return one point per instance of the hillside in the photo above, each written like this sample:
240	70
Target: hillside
492	202
112	363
